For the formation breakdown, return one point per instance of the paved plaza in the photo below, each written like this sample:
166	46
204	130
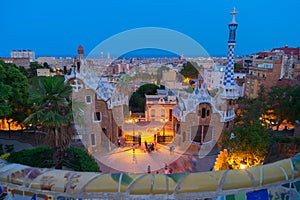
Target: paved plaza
125	159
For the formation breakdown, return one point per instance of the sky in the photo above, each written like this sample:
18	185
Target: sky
57	27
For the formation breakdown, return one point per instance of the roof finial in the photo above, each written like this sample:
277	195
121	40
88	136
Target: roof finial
233	13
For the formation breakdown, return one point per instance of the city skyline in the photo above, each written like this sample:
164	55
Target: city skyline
57	28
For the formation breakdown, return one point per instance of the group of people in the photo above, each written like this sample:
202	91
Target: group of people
149	147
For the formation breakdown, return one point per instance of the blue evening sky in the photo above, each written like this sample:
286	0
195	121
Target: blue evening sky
57	27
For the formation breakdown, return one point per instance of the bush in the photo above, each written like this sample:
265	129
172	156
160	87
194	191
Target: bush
42	157
37	157
79	160
4	157
9	148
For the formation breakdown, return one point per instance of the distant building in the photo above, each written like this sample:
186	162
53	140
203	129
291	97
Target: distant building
25	62
269	67
54	62
23	54
50	60
214	76
43	72
159	108
171	81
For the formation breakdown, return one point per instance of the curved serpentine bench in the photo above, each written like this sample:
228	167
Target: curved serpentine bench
182	186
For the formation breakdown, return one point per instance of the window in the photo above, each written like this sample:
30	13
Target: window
183	137
252	91
252	83
207	113
97	116
93	139
203	112
163	115
152	113
88	99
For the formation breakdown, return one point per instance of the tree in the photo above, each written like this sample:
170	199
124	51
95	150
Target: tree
250	110
280	102
190	70
13	93
32	70
294	104
248	146
52	109
137	100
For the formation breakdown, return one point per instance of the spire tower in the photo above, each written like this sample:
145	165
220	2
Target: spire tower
228	81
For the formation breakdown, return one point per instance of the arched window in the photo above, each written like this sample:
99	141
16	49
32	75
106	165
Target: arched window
183	136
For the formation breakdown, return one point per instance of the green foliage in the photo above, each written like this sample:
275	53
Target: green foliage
9	148
238	67
79	160
285	102
37	157
252	109
42	157
13	92
190	70
137	100
4	156
32	70
50	97
52	109
250	145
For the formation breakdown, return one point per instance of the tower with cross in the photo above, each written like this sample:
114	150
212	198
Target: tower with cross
228	81
230	90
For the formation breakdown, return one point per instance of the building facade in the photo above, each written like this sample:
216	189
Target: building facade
99	121
270	67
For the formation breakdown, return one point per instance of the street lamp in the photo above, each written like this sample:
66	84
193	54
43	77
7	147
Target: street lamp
133	121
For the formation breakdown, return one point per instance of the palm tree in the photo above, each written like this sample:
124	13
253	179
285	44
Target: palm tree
52	110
